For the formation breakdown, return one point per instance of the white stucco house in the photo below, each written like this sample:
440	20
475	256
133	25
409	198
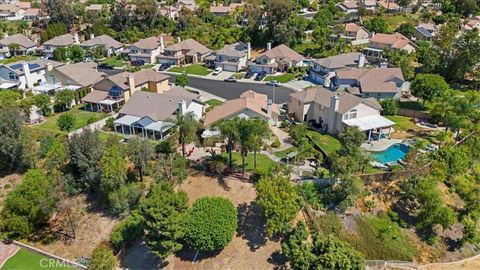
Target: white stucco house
23	75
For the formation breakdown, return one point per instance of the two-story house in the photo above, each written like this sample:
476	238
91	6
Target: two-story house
378	83
62	41
146	49
188	51
17	44
23	75
324	69
425	31
233	57
332	112
110	46
381	42
280	58
389	5
356	34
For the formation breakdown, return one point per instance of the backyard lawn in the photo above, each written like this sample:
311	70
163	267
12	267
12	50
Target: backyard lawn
115	61
18	58
25	259
283	153
281	78
327	142
82	118
263	162
402	123
195	69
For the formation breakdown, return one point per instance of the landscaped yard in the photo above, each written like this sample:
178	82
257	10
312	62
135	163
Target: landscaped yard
402	123
115	61
25	259
195	69
263	162
18	58
283	153
327	142
281	78
82	118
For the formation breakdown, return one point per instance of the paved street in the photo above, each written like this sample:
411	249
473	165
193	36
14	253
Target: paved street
230	90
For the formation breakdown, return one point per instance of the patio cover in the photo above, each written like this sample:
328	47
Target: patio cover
208	133
127	120
159	126
7	85
369	122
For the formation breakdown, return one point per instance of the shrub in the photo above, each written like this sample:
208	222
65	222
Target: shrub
92	119
109	123
66	122
129	230
124	198
276	143
284	124
102	258
389	106
211	224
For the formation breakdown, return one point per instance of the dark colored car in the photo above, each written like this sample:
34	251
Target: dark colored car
249	74
261	75
138	63
163	67
105	66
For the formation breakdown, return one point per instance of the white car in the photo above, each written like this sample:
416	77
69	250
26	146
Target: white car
217	71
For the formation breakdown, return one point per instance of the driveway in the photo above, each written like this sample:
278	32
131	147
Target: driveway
229	90
220	77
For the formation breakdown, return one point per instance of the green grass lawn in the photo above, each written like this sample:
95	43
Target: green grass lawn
263	162
327	142
402	123
115	61
376	238
281	78
195	69
18	58
282	154
28	260
212	103
82	119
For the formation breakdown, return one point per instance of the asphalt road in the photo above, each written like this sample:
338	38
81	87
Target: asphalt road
229	90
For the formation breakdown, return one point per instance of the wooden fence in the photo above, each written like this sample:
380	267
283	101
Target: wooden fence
413	113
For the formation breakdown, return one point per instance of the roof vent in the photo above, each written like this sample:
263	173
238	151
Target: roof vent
171	100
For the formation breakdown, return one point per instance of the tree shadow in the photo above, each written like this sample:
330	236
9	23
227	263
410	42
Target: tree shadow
277	260
139	257
223	183
251	225
188	254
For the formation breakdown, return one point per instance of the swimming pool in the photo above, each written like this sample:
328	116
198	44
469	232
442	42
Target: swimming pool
391	154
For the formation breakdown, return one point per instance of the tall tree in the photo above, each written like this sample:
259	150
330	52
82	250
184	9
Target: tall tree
113	170
63	99
228	129
11	125
244	136
259	132
59	11
187	127
428	86
140	152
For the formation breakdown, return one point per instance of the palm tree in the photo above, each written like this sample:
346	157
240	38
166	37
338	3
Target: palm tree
259	132
187	127
229	131
244	135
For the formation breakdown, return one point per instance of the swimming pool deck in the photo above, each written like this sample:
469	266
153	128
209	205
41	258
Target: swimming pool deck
377	146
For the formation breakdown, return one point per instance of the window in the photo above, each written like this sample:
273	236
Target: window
12	76
350	115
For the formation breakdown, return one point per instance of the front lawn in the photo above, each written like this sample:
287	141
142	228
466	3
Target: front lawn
402	123
115	61
195	69
82	118
281	78
327	142
25	259
263	162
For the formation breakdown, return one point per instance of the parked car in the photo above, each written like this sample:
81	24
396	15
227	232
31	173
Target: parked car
138	63
217	71
273	83
249	74
261	75
230	79
105	66
163	67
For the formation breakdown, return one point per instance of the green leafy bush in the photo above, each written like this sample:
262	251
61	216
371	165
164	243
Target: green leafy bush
129	230
276	143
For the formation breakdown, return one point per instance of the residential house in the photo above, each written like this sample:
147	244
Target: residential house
146	49
71	76
32	14
94	8
169	11
188	51
249	104
324	69
113	91
23	75
62	41
233	57
280	58
379	83
349	7
388	5
17	44
472	23
152	115
188	4
356	34
380	42
110	46
11	11
332	112
425	31
224	11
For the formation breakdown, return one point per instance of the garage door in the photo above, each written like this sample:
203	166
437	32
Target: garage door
229	68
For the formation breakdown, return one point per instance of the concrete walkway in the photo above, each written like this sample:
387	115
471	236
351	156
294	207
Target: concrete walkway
6	252
93	126
377	146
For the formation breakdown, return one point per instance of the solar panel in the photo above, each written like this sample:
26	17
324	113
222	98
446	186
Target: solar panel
16	66
33	66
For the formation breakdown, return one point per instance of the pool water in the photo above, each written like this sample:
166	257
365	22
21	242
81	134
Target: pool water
391	154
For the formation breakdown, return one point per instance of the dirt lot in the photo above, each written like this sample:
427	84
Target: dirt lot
7	184
249	248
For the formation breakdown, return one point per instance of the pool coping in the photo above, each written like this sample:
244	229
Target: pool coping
376	146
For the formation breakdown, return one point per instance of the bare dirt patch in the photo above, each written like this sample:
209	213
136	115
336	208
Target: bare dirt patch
7	184
249	249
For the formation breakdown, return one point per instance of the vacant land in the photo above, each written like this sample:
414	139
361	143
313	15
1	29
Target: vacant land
249	249
82	118
195	69
25	259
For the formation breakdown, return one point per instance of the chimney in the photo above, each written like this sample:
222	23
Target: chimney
249	50
182	107
131	84
5	35
162	44
332	118
26	70
75	37
269	46
48	66
372	35
92	35
361	60
179	39
269	107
